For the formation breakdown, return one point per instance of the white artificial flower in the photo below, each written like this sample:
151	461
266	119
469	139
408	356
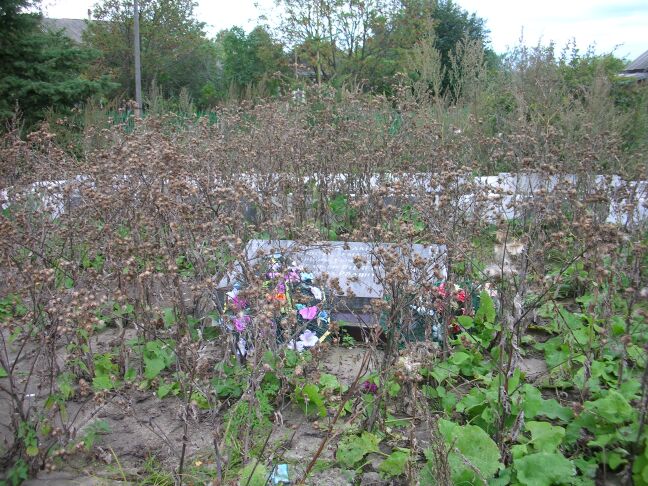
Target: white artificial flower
317	293
308	339
296	346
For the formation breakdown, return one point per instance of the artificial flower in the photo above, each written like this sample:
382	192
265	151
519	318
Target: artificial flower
238	303
441	290
306	277
281	297
241	322
308	313
293	276
308	338
461	296
317	293
242	347
323	316
296	346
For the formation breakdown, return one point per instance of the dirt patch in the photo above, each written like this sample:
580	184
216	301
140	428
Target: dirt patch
345	363
141	425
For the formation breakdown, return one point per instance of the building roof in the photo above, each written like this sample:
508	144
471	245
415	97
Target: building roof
638	65
72	28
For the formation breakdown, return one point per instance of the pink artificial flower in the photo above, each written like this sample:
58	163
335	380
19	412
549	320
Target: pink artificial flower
461	296
442	291
308	313
293	276
238	303
241	322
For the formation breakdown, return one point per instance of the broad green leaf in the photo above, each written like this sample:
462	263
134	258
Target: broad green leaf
544	436
613	407
486	311
153	367
532	402
637	354
614	459
169	317
554	410
201	400
587	467
164	389
395	464
466	322
519	450
393	389
130	375
543	469
3	372
102	382
459	358
352	449
444	371
618	326
329	382
602	440
476	397
470	443
65	383
312	401
640	469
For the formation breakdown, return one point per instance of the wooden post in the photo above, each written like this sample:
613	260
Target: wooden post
138	61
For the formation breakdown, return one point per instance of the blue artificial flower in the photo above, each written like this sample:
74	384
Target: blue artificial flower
306	277
323	316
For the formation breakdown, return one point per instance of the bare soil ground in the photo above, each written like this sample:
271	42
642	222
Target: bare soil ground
142	426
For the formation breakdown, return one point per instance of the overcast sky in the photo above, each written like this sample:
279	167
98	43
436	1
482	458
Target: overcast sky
620	25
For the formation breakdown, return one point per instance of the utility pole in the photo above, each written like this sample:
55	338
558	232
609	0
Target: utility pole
138	61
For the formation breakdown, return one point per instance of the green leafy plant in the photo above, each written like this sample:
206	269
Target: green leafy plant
106	372
157	356
473	456
352	448
395	464
96	428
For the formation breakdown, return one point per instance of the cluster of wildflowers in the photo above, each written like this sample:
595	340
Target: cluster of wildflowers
294	292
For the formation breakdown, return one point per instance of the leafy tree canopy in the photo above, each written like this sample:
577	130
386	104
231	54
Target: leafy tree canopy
248	59
175	51
40	69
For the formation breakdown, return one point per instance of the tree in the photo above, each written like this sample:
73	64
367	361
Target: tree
370	41
439	24
307	25
331	36
248	60
175	51
40	69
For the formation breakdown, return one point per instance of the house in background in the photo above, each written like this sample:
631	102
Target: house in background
637	69
72	28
